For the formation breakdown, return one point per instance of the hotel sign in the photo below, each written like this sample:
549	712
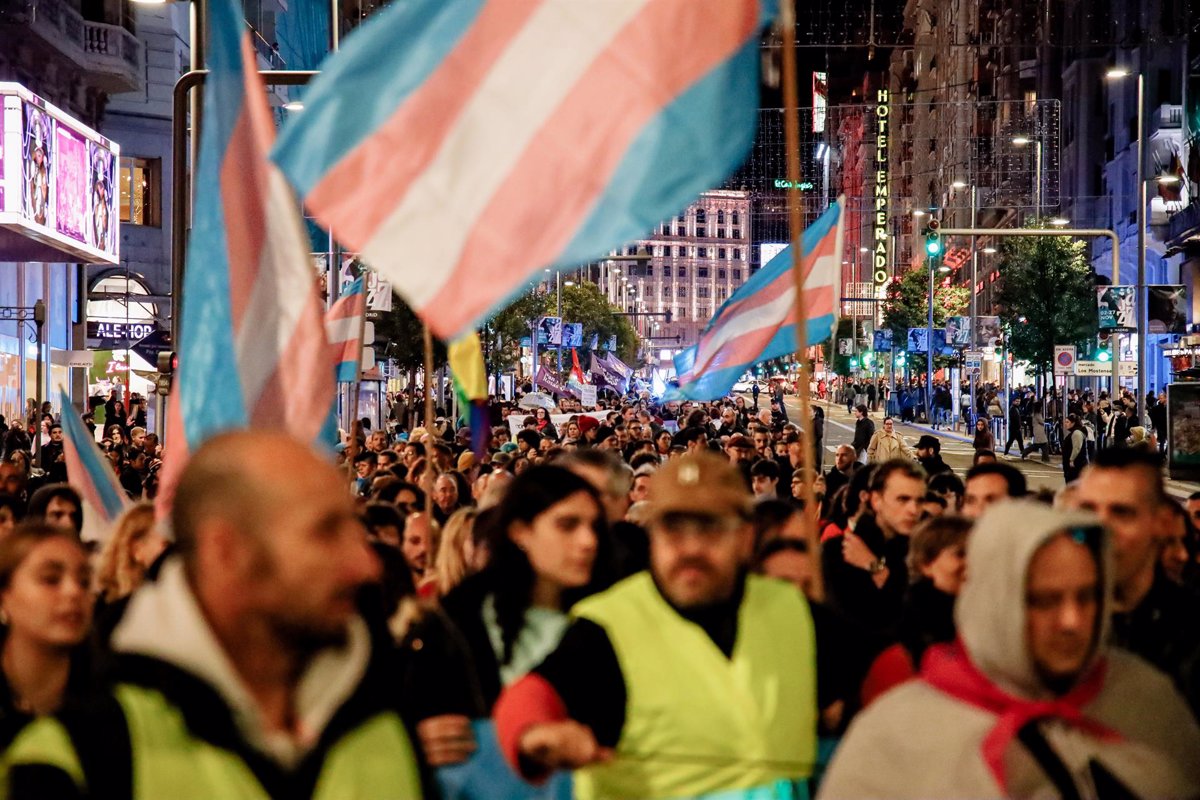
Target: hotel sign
879	219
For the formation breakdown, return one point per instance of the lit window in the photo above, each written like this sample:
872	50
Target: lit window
140	188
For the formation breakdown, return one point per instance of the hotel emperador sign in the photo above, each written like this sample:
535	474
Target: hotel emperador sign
879	219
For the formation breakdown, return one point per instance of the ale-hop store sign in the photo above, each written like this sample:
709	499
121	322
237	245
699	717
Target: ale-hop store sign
879	227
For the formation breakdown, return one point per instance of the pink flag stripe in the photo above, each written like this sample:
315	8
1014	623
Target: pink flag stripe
549	159
245	193
771	292
361	189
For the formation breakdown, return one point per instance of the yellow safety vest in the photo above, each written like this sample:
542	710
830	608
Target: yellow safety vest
697	722
373	761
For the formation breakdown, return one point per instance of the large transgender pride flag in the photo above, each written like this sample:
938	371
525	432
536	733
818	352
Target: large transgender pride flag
759	321
253	352
92	475
461	146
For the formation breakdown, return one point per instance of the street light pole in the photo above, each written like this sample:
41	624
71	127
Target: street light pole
1037	177
558	296
974	283
929	352
1141	255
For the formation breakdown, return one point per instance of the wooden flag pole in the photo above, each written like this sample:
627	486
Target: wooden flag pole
791	123
429	420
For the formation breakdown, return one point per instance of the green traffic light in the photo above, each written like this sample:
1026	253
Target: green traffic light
854	363
1103	356
933	244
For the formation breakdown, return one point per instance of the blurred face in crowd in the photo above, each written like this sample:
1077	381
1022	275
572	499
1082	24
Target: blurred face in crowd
1124	500
792	566
1174	556
415	545
664	442
738	454
12	478
641	487
378	441
948	568
1193	510
1062	601
763	486
573	430
364	468
56	434
561	542
844	457
898	506
60	512
7	522
696	557
49	597
888	426
762	442
411	454
981	492
728	417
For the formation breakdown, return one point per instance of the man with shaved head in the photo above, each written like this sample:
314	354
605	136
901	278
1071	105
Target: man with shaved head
245	669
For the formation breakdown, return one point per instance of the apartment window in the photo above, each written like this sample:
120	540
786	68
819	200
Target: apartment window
681	251
682	272
721	253
702	291
680	230
701	230
682	291
720	233
649	270
737	234
140	186
702	312
702	272
665	229
721	294
720	217
666	292
735	219
737	274
701	252
701	216
737	254
721	274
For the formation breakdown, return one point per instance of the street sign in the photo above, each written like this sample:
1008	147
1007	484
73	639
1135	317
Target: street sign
974	362
1064	359
1103	369
845	347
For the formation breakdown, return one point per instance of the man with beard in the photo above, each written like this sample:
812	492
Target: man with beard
245	669
693	656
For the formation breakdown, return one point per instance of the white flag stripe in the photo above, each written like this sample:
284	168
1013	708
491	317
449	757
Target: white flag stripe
343	330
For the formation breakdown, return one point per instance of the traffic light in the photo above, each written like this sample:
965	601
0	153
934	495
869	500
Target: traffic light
1103	355
868	359
854	363
168	362
901	359
933	239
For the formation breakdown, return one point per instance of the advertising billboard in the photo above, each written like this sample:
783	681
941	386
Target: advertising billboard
1117	308
57	179
1167	309
1183	431
958	331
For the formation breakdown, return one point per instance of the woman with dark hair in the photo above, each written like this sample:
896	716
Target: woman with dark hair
548	550
548	547
544	426
46	613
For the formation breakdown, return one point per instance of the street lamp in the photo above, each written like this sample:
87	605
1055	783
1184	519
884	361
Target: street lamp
1022	141
1060	222
918	212
989	251
958	184
1116	74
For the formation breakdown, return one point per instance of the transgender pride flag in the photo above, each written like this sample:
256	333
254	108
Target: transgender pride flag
90	474
461	146
759	321
344	326
253	352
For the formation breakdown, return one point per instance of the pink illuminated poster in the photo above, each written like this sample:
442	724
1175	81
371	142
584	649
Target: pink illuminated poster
71	184
102	211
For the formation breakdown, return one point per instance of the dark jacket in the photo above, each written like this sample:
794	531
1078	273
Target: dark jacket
927	618
934	465
864	429
852	591
1164	629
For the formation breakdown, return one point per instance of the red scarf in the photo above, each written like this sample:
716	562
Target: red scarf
948	668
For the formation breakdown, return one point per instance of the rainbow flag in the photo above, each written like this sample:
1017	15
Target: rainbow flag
461	146
344	328
91	474
759	321
253	351
469	372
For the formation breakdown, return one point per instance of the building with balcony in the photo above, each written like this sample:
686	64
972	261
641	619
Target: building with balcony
697	260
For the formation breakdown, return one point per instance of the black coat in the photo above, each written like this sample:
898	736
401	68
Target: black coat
852	591
864	429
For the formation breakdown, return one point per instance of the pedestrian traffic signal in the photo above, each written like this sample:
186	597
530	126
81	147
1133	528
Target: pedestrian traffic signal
168	362
854	363
933	239
901	359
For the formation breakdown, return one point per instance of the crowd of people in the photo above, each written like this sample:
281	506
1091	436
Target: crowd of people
631	602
